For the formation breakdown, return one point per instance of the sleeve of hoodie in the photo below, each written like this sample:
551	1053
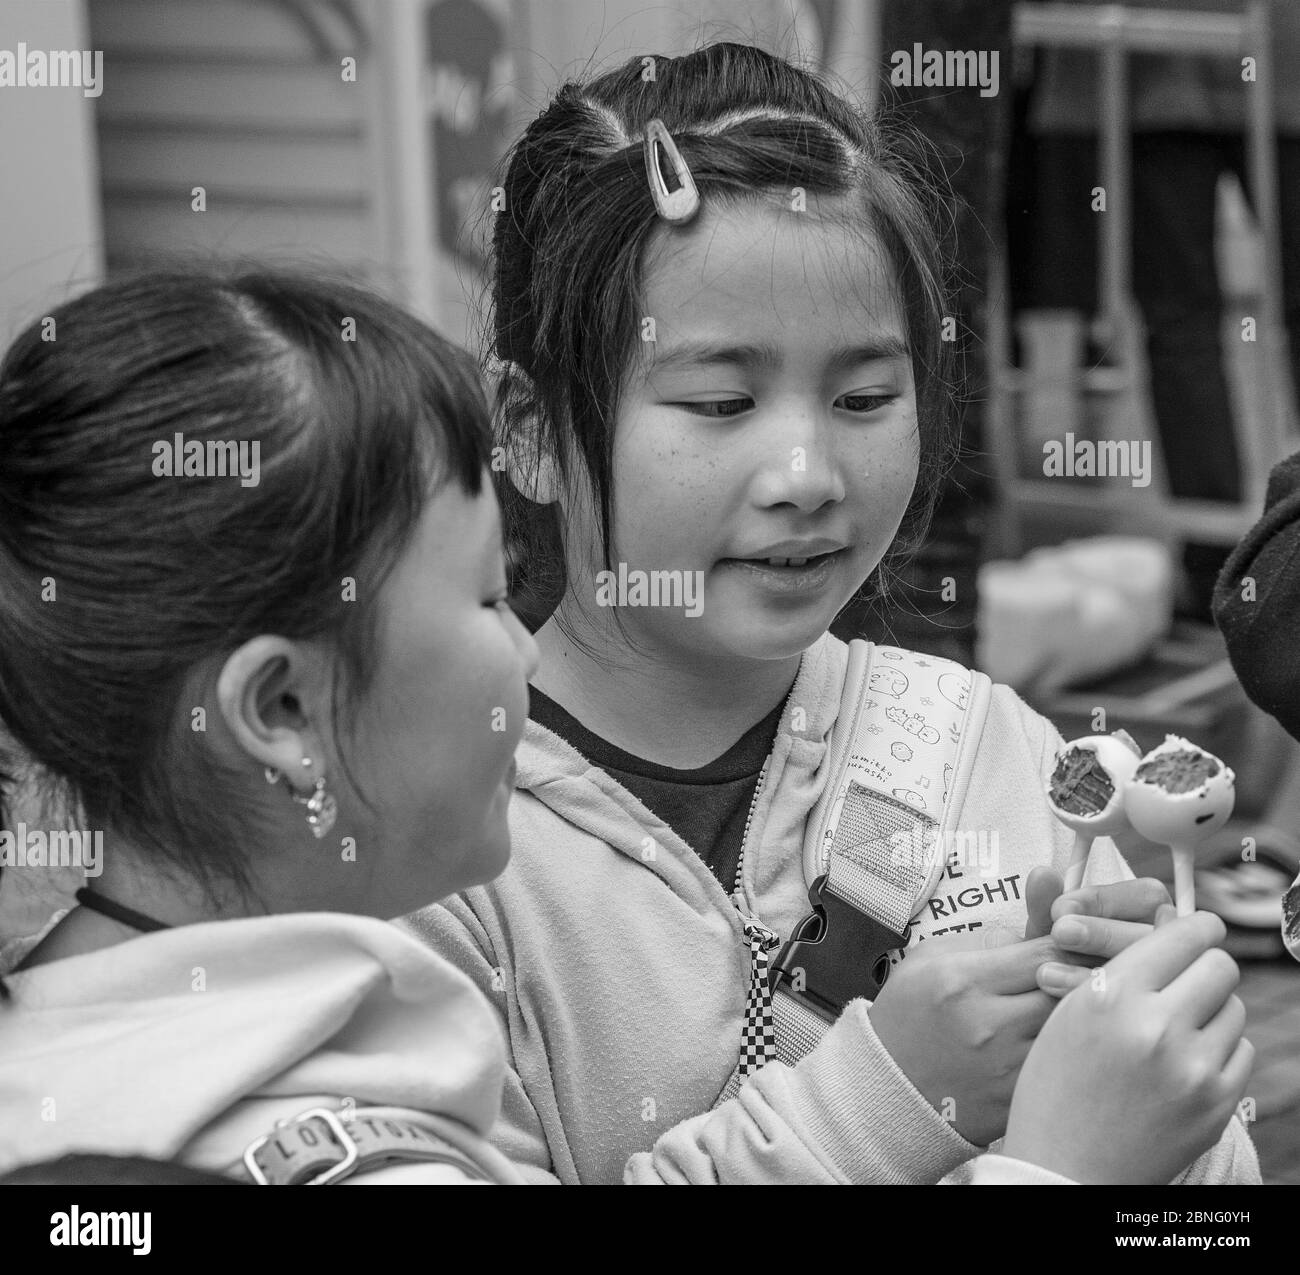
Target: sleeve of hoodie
462	940
846	1113
1257	601
818	1123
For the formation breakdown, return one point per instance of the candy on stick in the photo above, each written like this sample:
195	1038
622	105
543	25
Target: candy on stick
1178	795
1086	792
1291	919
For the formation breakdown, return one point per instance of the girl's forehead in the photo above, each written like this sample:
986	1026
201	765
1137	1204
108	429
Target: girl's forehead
760	265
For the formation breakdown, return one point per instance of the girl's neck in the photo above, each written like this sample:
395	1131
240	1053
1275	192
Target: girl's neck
667	711
160	897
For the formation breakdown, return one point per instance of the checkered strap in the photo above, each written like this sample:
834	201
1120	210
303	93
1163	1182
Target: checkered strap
758	1036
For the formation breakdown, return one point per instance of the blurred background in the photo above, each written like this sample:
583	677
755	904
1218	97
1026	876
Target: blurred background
1126	220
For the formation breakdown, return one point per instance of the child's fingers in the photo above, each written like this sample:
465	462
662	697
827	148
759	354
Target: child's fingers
1165	913
1042	889
1159	958
1026	1013
1097	935
1236	1075
1007	971
1198	993
1121	900
1222	1033
1058	979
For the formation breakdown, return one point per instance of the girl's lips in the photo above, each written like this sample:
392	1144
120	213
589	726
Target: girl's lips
813	575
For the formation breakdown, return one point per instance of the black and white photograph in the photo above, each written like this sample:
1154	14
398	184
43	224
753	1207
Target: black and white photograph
601	592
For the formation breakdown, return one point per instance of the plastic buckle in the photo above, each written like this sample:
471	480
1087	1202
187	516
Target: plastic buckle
351	1152
837	949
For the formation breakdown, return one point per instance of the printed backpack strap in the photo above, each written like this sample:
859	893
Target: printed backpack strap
900	758
901	755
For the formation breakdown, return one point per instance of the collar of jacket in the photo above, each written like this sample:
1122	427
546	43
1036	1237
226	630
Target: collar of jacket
773	885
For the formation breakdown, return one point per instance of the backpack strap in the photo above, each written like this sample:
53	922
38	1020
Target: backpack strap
900	758
899	763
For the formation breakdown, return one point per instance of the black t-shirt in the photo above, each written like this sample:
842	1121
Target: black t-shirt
706	807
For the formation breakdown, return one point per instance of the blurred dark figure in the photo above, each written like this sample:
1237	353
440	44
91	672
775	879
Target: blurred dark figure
969	134
1187	116
1257	606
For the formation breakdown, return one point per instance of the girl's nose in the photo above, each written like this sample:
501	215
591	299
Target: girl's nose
800	467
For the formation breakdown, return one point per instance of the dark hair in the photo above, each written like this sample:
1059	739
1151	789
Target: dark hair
98	1169
568	250
155	579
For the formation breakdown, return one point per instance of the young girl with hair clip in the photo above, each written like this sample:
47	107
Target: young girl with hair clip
719	329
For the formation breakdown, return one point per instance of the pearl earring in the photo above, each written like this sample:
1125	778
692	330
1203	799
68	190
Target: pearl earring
322	809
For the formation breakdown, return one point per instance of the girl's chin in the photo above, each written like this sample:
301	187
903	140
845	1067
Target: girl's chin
773	635
491	861
494	847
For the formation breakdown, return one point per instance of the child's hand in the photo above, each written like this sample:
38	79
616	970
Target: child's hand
958	1017
1138	1070
1089	925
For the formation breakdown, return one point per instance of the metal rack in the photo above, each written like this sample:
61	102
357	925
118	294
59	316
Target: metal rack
1114	32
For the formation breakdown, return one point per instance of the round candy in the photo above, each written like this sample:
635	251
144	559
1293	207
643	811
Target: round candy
1086	791
1179	793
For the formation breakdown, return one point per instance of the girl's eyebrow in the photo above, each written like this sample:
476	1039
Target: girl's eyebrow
875	348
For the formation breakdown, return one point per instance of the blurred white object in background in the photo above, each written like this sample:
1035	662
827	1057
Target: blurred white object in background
1074	612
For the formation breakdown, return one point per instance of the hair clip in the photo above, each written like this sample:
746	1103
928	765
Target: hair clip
676	206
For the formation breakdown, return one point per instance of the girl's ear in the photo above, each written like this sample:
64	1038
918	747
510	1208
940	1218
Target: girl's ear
265	692
529	462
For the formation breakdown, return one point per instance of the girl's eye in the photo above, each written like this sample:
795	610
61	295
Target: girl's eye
718	408
864	402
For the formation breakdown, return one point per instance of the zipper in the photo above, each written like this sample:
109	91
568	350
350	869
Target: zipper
770	936
744	840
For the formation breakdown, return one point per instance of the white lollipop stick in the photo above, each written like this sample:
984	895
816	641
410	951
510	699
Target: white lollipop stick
1184	879
1078	861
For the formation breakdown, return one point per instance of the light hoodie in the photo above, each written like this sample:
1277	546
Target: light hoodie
189	1043
620	969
